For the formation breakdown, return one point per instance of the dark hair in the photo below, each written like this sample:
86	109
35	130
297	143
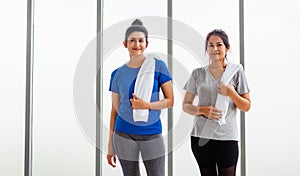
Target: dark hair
220	33
136	25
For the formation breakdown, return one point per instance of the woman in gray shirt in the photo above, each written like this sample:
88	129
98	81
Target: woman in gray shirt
215	145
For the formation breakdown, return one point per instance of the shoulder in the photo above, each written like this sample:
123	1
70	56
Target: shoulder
199	71
159	62
236	65
240	73
117	71
160	65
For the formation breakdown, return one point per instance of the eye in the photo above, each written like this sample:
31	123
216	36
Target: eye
141	40
219	44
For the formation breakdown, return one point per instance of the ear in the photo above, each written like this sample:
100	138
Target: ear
125	43
227	49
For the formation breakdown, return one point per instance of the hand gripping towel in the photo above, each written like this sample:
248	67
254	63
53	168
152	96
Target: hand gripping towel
222	102
144	87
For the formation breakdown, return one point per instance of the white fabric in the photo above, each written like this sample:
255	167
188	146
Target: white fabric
222	102
143	87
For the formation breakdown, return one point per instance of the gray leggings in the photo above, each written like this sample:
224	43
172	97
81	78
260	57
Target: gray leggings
152	149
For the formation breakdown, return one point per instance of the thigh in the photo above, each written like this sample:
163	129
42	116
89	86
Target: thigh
126	148
155	167
151	146
227	153
130	168
203	153
153	154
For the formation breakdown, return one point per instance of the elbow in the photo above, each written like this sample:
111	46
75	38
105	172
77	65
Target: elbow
246	108
170	103
184	107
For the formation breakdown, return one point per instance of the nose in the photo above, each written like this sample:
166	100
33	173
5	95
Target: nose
137	43
215	48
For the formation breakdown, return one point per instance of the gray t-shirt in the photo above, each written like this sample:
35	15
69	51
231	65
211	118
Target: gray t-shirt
204	85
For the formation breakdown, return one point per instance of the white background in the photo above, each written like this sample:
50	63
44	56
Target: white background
63	30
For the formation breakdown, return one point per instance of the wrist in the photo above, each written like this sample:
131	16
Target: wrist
149	105
199	110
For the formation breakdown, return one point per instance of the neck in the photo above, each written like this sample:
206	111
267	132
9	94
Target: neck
136	61
220	64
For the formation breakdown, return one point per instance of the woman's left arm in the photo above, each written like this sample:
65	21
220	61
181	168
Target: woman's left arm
167	102
241	101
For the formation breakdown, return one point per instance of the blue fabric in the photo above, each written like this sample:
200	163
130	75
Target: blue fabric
122	82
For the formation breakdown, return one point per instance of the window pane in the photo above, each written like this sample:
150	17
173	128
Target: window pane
272	67
201	18
63	29
118	15
13	81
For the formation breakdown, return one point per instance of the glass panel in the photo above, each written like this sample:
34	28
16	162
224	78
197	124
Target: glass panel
13	82
272	65
198	20
118	16
61	145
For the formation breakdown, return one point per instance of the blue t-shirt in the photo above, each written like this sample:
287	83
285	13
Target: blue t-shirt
122	82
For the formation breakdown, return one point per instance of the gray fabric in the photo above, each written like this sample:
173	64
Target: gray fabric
204	85
151	147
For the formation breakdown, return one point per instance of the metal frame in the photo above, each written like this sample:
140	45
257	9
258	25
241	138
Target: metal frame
29	90
99	85
242	61
170	67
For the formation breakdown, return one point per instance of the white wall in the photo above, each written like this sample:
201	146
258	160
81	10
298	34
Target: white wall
272	35
63	29
12	89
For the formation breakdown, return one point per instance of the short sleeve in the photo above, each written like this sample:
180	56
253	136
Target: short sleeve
190	85
114	87
242	84
164	73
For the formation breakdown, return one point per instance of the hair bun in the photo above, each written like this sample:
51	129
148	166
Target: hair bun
136	26
137	22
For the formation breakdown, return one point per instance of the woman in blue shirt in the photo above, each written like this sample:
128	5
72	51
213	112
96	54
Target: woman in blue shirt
129	138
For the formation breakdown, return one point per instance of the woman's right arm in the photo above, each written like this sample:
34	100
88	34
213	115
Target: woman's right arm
188	106
208	111
111	158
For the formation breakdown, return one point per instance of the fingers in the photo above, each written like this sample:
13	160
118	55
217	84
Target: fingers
215	114
222	89
134	96
111	159
135	102
221	85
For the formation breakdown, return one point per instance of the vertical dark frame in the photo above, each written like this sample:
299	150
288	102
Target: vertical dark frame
242	61
170	67
29	87
99	85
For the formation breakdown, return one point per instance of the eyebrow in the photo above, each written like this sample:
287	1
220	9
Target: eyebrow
216	43
136	38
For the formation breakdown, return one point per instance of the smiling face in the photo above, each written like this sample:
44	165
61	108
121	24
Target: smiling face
136	43
216	48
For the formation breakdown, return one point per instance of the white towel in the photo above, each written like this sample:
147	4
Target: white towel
222	102
143	87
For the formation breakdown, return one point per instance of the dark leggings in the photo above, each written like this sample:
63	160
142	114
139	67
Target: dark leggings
215	157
